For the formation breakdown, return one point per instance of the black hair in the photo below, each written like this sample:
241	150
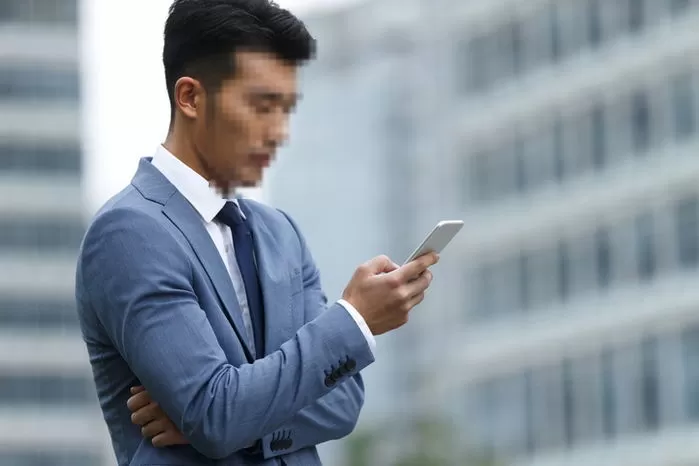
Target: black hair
202	36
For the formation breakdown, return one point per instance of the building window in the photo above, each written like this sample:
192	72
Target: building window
588	399
542	284
44	389
506	295
604	258
480	180
39	11
37	314
599	140
563	271
480	405
510	415
679	6
519	154
609	402
594	22
512	47
33	158
636	15
477	64
539	156
640	121
650	390
38	82
645	246
528	427
41	234
547	407
46	458
684	109
568	404
524	275
558	149
555	33
690	343
585	264
484	291
687	230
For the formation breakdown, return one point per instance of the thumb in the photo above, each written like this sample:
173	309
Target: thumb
392	266
381	264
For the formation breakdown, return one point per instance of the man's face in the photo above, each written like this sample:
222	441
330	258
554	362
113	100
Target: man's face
238	135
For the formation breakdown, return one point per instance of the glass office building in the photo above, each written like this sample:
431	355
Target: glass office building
579	343
563	325
48	409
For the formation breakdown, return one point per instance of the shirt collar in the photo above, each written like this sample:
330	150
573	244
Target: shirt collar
205	198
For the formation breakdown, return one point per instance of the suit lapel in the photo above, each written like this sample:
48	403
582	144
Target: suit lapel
273	271
183	215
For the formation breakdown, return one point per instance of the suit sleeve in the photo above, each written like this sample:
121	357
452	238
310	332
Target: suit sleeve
335	415
140	285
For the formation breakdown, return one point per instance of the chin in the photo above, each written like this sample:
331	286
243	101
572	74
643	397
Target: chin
250	183
249	178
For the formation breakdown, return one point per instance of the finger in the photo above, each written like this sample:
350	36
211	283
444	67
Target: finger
167	439
415	268
161	441
419	285
147	414
154	428
137	389
138	401
415	300
391	267
380	264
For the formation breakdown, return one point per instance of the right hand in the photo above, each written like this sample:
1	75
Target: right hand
153	421
384	293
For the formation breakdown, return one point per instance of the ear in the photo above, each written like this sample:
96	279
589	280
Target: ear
189	97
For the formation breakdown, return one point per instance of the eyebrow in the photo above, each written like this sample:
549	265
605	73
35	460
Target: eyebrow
275	96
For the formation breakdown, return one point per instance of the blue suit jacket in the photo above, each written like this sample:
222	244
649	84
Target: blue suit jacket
157	307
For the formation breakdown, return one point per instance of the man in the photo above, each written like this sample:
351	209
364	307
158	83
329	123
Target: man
213	304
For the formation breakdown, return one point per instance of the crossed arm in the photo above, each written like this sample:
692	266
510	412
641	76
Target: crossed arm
331	417
148	308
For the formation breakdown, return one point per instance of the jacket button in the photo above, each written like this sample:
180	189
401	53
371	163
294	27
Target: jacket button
283	442
330	381
350	365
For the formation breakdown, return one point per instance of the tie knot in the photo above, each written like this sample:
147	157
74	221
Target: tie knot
230	214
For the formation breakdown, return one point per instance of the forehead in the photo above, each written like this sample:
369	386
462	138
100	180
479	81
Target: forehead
265	70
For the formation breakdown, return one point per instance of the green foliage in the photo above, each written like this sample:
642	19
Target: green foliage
432	443
361	448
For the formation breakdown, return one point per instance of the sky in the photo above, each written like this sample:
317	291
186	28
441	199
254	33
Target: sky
125	106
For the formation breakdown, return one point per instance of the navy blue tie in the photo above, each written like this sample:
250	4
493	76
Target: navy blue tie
244	253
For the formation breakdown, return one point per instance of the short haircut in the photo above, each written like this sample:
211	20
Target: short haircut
202	36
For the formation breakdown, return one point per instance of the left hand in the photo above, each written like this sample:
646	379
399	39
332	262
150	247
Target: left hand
153	421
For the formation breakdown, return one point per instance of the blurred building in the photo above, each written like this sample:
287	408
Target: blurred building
354	177
579	340
563	324
48	410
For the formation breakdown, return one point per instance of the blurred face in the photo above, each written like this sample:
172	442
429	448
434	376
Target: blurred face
235	132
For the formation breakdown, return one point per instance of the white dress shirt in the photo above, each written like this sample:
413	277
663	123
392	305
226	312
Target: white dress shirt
208	202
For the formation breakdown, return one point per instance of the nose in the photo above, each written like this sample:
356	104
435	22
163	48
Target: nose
279	130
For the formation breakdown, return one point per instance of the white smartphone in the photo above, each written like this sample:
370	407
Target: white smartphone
437	240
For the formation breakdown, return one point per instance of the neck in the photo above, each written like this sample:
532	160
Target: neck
186	151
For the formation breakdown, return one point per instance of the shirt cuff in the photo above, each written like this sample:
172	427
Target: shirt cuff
361	323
